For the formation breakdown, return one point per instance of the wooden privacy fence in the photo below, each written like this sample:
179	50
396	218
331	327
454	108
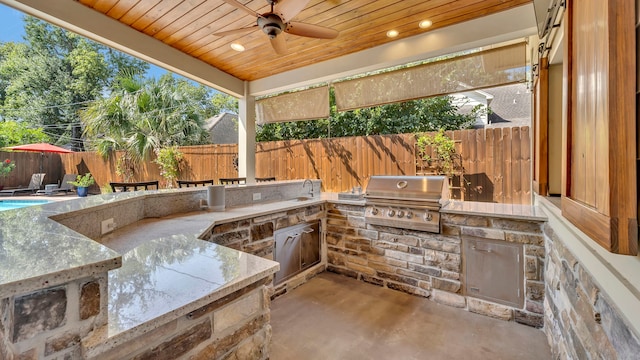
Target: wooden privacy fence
200	162
496	163
28	163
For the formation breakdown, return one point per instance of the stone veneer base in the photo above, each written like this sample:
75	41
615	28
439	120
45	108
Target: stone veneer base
430	265
589	306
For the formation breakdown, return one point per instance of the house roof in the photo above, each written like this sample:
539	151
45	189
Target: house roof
510	105
223	128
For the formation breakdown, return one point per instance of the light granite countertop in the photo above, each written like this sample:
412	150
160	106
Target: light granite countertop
165	268
510	211
166	271
37	252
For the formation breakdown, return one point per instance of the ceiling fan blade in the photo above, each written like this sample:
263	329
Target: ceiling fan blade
288	9
237	5
236	31
279	44
310	30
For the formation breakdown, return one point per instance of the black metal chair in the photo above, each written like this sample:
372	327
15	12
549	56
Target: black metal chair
265	179
194	183
126	186
231	181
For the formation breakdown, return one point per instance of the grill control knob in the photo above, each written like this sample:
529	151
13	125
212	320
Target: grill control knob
409	214
428	216
391	212
400	213
374	211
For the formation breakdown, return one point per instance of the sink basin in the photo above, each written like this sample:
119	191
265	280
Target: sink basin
302	198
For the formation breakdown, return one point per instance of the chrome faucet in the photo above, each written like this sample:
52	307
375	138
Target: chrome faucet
310	183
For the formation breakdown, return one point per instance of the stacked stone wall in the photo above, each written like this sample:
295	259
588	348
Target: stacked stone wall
233	327
581	321
50	323
255	236
70	322
430	265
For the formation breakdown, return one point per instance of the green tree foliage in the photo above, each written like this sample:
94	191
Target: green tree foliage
144	115
224	103
46	80
13	133
422	115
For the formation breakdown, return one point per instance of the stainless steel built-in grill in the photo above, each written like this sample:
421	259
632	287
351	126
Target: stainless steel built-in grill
409	202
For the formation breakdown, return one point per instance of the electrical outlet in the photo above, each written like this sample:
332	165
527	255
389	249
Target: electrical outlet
257	196
108	225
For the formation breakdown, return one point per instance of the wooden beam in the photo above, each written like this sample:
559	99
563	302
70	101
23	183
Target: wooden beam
599	163
541	130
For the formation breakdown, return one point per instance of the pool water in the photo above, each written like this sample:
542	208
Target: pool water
17	204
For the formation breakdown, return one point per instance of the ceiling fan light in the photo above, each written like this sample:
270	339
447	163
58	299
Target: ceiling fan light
237	47
392	33
425	24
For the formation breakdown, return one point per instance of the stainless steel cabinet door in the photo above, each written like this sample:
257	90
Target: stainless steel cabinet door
310	245
296	248
287	251
493	270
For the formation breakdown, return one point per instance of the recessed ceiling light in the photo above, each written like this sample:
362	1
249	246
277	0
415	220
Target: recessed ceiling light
425	24
237	47
392	33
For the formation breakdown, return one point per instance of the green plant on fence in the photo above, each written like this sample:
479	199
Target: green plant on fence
125	167
169	160
6	167
85	180
443	149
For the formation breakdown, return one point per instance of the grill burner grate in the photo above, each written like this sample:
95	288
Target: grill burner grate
408	202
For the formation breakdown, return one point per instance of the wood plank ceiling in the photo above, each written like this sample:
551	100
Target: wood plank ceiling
189	25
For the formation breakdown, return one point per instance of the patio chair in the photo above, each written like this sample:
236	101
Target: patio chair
64	186
231	181
126	186
34	185
265	179
194	183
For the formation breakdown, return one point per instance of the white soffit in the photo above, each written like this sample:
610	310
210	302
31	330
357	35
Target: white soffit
516	23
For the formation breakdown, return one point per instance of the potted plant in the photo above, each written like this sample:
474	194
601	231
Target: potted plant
6	167
82	184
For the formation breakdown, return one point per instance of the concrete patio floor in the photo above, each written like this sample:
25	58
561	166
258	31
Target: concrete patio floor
336	317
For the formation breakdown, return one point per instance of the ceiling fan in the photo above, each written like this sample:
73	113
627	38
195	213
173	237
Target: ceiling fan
278	20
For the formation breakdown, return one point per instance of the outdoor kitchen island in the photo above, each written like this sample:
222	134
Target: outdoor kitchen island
68	312
174	294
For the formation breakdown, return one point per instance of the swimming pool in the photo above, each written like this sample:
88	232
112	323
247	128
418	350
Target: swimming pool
16	204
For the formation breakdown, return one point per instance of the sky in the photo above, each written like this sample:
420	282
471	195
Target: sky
12	29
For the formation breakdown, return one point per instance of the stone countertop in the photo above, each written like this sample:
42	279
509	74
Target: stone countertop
510	211
167	277
64	254
37	252
163	273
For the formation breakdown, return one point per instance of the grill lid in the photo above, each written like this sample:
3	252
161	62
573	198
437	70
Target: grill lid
415	188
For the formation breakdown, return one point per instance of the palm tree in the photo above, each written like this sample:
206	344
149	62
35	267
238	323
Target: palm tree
144	115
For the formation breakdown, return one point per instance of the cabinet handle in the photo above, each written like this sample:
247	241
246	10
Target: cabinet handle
291	237
482	250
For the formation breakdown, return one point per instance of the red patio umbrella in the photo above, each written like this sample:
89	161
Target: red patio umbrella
41	148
